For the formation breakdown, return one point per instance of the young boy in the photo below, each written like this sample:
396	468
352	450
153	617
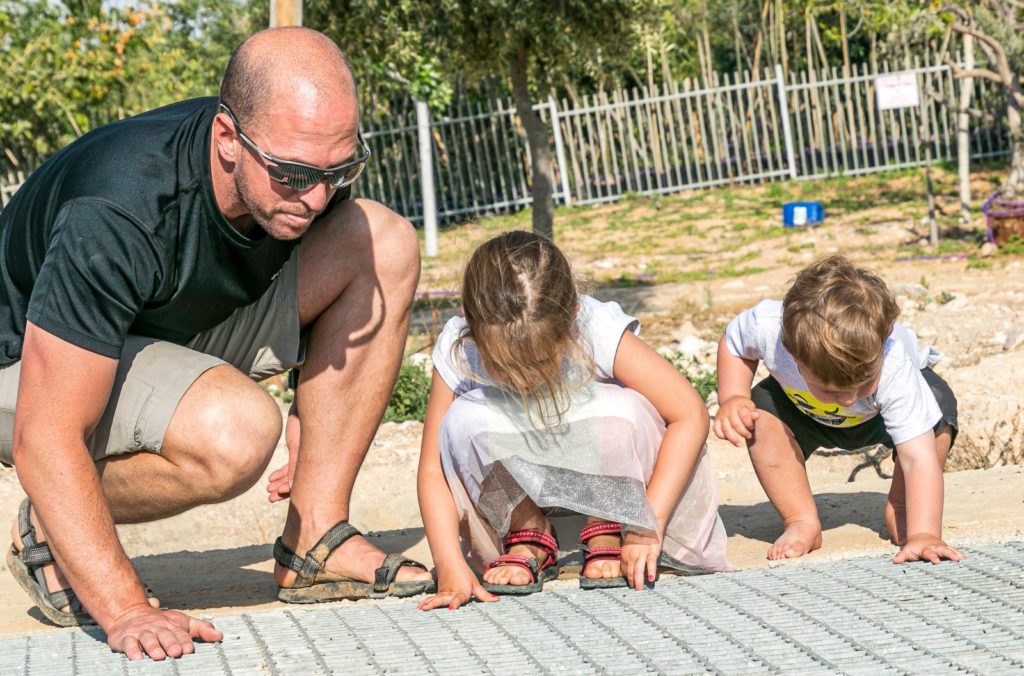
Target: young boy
842	374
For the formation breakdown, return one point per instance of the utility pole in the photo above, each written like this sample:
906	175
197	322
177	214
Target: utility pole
285	13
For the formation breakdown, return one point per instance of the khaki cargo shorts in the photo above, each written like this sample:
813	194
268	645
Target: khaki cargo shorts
262	339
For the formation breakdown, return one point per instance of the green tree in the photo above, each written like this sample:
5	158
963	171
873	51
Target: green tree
70	67
423	45
998	28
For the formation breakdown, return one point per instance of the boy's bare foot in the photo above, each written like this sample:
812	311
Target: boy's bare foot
896	521
799	538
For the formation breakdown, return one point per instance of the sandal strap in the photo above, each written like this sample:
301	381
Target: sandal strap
25	528
528	563
386	573
531	536
601	553
35	555
599	528
315	559
65	598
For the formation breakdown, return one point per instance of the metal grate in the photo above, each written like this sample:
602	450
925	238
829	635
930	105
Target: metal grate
860	616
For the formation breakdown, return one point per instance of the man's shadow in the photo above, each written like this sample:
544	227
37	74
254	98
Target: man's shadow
241	577
762	522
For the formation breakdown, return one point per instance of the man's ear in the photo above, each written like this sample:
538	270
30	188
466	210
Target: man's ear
224	138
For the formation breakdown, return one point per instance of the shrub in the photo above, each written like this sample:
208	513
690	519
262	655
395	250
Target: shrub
409	398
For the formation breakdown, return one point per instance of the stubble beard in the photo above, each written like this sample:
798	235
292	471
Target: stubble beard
265	218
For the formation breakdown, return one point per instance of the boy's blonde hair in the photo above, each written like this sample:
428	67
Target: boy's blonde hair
519	299
835	320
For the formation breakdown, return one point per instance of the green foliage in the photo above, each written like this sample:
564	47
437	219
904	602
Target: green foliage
69	68
409	398
703	378
1013	247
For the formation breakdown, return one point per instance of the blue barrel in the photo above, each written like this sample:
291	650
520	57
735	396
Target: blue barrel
802	213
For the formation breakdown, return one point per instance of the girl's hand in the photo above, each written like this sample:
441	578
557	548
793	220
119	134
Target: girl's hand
640	558
456	588
926	548
735	419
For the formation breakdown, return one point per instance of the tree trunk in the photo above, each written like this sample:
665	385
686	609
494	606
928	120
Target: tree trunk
542	175
1013	187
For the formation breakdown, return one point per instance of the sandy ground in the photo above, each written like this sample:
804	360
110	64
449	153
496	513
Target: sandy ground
217	559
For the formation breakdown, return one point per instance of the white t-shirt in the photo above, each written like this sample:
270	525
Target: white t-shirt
903	398
600	327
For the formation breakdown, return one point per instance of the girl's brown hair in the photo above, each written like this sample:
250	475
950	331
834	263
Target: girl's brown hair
519	299
835	320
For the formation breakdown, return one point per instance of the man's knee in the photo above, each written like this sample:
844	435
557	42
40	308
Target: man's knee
395	248
224	433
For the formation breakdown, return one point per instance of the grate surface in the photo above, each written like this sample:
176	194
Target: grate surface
860	616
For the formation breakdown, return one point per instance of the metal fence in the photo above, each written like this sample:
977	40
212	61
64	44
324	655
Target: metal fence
681	135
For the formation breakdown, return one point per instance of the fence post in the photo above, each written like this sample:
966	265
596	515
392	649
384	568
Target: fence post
787	131
426	148
563	168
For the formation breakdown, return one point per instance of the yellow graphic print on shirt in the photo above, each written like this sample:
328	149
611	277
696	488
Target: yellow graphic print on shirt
826	414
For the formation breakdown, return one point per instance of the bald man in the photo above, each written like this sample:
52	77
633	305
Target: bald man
151	272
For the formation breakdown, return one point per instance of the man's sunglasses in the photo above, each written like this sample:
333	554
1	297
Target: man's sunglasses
299	176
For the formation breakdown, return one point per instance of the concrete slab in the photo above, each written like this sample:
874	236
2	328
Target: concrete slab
861	615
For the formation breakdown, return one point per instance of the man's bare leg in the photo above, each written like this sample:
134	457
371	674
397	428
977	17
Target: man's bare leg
779	464
358	270
896	503
219	441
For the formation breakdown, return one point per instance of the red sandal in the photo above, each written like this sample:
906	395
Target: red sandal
539	573
592	554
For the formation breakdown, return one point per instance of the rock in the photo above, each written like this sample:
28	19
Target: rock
991	412
913	291
692	346
999	338
1014	340
987	249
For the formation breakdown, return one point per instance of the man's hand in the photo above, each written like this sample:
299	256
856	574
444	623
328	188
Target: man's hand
143	630
640	558
279	483
455	589
926	548
735	419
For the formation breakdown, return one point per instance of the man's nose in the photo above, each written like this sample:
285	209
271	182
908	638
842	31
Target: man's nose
315	197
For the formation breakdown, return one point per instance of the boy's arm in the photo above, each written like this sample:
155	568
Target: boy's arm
456	582
923	477
736	411
642	369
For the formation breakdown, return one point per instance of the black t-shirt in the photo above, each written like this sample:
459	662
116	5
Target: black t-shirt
119	233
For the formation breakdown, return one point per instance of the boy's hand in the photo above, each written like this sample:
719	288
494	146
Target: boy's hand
456	588
640	558
735	419
926	548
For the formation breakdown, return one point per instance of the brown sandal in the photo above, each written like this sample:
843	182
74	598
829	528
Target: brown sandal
315	584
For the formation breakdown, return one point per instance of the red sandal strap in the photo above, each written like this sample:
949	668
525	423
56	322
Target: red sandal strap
594	553
530	536
529	564
600	528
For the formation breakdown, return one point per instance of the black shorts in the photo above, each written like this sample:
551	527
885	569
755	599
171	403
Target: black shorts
812	435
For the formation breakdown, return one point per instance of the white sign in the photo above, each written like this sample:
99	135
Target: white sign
897	90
